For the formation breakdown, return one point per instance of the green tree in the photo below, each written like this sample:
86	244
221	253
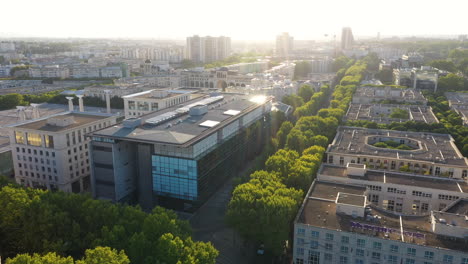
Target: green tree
262	210
283	133
445	65
306	91
293	100
399	113
10	101
296	140
101	255
281	162
451	82
49	258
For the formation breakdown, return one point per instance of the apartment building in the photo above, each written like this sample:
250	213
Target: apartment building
207	49
335	224
53	152
420	153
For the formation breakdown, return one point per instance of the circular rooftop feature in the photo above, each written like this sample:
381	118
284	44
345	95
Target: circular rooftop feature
393	143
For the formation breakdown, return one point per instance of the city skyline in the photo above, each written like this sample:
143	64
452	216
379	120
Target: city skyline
105	19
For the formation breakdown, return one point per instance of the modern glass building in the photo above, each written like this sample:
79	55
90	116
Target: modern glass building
179	156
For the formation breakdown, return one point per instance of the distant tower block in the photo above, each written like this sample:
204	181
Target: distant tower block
108	100
35	111
80	102
70	103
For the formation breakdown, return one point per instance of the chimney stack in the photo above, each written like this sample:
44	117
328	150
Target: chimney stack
80	102
70	103
108	101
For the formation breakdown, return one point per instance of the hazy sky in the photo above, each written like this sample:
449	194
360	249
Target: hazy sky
239	19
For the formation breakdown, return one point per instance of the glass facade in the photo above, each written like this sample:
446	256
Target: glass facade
34	139
175	177
19	137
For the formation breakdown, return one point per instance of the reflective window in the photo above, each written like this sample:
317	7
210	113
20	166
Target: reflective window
34	139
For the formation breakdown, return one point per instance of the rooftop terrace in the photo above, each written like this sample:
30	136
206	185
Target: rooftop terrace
380	113
428	147
321	213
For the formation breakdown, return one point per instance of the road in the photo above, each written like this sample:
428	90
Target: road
209	224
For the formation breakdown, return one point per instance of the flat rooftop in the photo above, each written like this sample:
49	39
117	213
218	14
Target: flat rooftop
380	113
149	94
397	178
437	148
380	93
184	128
321	213
79	120
457	98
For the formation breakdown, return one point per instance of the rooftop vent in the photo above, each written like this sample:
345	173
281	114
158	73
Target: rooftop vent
232	112
198	110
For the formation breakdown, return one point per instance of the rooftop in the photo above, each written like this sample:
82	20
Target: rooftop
79	120
175	125
380	113
381	93
427	147
321	213
397	178
158	94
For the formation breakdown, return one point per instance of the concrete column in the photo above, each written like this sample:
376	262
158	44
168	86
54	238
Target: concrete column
21	113
108	101
70	103
35	111
80	102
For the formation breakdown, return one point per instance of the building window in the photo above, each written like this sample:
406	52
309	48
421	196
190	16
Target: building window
34	139
437	171
301	231
49	141
359	261
410	261
329	237
343	260
464	261
314	257
448	259
341	160
429	255
19	136
377	245
376	255
392	259
328	246
313	244
299	261
315	234
345	240
360	252
328	258
361	242
300	241
464	173
330	158
411	252
344	250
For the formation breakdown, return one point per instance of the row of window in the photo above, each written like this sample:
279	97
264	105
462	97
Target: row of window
314	257
35	151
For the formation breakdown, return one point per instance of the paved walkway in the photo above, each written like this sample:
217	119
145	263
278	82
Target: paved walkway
209	224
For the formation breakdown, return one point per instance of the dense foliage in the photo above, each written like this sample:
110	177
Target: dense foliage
263	208
35	221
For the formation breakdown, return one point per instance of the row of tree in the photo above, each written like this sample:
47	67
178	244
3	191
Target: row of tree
36	221
263	208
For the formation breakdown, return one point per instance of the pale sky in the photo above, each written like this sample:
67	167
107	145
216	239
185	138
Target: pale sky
239	19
